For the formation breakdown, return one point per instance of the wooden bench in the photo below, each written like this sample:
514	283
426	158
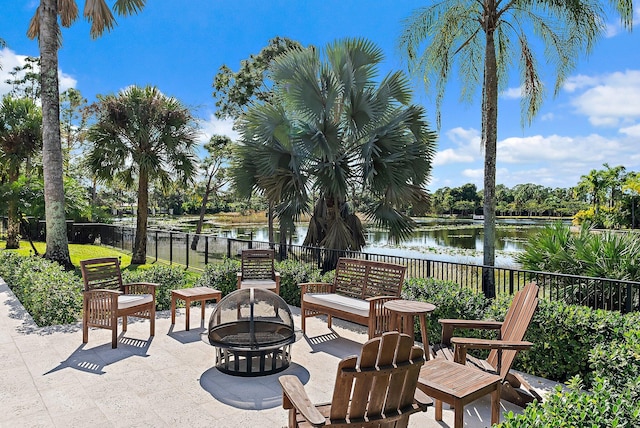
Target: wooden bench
357	294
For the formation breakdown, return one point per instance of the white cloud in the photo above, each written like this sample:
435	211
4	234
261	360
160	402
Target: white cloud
11	60
473	174
467	147
547	117
579	81
632	131
556	148
451	156
512	93
214	126
607	100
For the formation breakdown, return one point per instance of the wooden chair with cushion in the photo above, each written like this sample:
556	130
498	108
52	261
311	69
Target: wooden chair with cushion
106	298
258	271
503	350
377	389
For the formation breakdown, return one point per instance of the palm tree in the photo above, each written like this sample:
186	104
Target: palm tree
332	130
20	138
44	26
484	36
142	135
592	185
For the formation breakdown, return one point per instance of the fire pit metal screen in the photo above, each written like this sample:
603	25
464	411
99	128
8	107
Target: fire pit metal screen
252	331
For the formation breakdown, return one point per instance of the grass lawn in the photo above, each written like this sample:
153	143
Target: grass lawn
79	252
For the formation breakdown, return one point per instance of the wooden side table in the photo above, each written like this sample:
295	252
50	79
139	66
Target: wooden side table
458	385
402	315
195	294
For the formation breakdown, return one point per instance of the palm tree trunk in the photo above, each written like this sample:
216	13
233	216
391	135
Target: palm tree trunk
57	242
489	139
139	256
13	221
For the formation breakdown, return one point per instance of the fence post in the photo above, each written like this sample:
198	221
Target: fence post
628	299
228	248
156	233
187	247
206	250
170	248
511	285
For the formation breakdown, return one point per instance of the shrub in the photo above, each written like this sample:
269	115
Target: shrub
603	407
168	278
50	294
293	273
221	276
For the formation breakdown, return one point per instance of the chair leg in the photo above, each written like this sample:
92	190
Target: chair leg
124	323
114	336
152	314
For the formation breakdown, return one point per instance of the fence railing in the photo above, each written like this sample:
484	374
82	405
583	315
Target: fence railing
196	251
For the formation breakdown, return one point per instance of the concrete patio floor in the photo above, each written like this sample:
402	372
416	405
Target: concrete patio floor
50	379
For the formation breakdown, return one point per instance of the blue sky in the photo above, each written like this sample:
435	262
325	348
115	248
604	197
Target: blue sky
178	46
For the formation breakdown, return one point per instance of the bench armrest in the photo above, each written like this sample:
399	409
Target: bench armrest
379	317
315	287
448	325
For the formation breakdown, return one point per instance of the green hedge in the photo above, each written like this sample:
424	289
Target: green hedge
51	295
168	278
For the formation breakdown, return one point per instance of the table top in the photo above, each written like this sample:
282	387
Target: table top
196	291
454	379
409	306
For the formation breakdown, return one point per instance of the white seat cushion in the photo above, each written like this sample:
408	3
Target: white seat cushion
258	283
339	302
129	300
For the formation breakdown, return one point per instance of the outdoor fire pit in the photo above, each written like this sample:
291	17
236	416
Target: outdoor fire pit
252	332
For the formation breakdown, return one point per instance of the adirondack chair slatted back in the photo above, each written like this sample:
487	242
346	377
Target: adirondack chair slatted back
101	273
363	279
515	325
257	264
380	383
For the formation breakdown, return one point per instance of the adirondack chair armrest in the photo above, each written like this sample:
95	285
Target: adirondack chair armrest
294	396
448	325
473	343
315	287
140	288
276	276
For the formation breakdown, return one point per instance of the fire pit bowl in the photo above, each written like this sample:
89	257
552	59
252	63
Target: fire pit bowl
252	331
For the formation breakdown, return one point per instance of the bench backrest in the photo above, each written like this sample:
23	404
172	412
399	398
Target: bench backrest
361	279
257	264
101	273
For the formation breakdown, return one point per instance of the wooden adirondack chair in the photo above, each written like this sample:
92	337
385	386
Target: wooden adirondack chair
504	349
378	389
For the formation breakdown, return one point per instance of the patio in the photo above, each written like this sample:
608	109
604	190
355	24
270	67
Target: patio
51	379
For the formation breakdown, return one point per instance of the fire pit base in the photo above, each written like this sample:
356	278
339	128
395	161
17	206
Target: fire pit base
248	363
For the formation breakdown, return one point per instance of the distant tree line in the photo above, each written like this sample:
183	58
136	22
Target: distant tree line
605	198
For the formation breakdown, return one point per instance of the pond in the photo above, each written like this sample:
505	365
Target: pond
435	238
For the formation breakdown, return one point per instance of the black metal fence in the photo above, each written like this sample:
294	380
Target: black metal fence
196	251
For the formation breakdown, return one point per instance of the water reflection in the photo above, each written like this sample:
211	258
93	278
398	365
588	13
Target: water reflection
445	239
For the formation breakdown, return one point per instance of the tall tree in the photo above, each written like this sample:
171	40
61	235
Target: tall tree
333	127
235	91
218	147
44	26
483	37
72	123
142	135
20	137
